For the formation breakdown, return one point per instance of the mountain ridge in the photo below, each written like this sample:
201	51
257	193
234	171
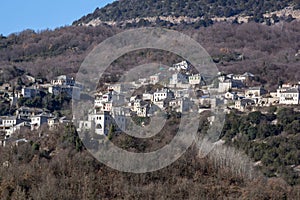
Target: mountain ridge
148	12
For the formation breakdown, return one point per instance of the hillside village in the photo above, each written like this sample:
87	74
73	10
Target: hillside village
183	92
31	117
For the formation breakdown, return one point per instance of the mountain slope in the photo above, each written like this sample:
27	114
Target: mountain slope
125	10
270	51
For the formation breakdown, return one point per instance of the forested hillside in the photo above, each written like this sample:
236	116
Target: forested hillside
58	167
50	52
129	9
269	51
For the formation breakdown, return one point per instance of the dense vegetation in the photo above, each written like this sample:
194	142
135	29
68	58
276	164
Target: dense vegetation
48	53
57	166
268	51
130	9
272	139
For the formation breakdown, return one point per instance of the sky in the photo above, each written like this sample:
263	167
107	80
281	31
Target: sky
18	15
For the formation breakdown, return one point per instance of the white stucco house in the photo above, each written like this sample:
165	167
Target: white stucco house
163	94
225	86
195	79
183	65
63	80
38	120
290	96
255	92
100	122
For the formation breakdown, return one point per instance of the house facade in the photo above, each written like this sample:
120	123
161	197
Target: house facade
163	94
242	104
254	92
26	112
63	80
100	122
225	86
195	79
290	96
38	120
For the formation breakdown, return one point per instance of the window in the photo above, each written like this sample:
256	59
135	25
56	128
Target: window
98	126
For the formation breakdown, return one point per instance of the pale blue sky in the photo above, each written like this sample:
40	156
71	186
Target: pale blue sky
17	15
